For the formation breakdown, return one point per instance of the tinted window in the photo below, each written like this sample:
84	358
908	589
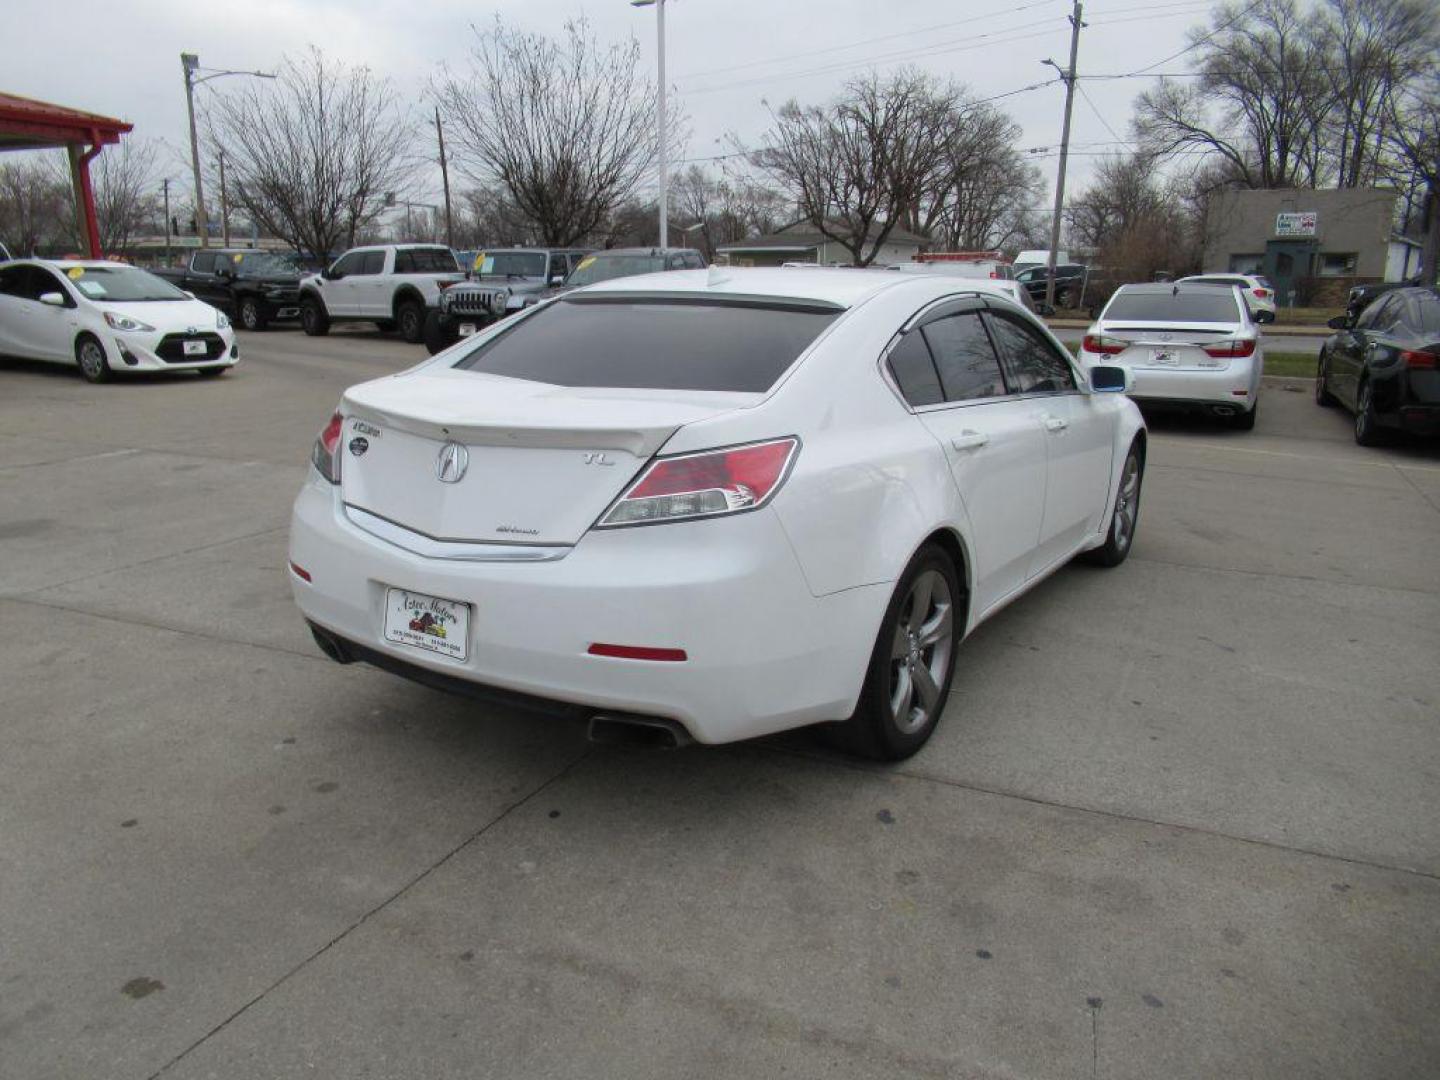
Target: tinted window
43	281
658	345
425	261
203	262
1392	319
349	264
1375	313
1032	365
1427	313
914	371
965	358
373	263
1192	306
12	281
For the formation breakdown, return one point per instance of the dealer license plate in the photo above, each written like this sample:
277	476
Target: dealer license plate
427	622
1164	357
195	348
466	329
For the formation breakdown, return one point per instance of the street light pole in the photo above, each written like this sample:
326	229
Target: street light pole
189	62
664	137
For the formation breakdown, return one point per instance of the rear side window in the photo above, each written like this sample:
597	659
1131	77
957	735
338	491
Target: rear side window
373	263
1193	306
653	345
964	357
1427	313
914	371
1032	365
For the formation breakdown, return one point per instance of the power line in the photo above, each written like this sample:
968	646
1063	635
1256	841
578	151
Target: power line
868	41
1199	41
1097	113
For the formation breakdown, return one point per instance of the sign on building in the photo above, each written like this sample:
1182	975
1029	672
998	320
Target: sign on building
1296	223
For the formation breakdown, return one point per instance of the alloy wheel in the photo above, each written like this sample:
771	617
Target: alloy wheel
921	652
1127	503
92	359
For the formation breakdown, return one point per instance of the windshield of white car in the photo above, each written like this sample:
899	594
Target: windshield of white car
654	344
125	284
595	268
530	264
1193	306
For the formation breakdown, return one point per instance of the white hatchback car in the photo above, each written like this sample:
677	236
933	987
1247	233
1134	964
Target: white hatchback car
107	317
1188	347
1258	292
713	505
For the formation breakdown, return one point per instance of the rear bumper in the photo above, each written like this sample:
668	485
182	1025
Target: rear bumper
1415	419
763	654
1235	386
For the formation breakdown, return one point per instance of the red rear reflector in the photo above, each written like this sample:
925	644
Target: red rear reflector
1106	346
1418	359
636	652
1240	393
1261	293
300	572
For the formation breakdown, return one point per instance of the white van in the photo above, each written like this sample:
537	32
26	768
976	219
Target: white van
1027	259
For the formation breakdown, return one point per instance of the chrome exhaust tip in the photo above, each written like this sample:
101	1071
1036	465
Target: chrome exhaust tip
1224	410
625	729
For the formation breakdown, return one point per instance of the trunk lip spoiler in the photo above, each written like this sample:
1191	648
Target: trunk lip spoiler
435	547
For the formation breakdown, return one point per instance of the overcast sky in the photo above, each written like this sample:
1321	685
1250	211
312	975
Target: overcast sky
726	58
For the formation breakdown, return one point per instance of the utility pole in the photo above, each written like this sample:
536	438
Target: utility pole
165	187
224	203
1069	76
444	179
189	62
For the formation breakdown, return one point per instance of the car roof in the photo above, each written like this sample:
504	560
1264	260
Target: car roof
1157	288
837	286
646	251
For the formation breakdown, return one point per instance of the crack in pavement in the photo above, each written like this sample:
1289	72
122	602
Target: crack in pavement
368	915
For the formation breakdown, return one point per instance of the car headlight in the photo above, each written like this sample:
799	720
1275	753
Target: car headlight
124	322
222	321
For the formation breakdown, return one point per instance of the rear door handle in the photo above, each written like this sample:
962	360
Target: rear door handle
969	440
1054	423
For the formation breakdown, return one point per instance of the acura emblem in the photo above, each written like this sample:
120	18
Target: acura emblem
450	466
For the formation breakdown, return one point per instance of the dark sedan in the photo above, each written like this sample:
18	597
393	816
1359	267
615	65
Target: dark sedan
1385	366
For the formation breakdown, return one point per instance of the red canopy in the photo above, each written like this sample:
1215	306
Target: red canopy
27	124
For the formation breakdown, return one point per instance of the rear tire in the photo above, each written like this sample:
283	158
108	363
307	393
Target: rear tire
1368	431
90	355
1323	397
912	665
410	316
1126	516
313	318
1245	421
439	333
254	316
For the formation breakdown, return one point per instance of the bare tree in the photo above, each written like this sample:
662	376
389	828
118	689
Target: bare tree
566	129
36	204
1260	100
1373	49
126	200
858	165
1414	137
980	196
1122	194
318	155
727	207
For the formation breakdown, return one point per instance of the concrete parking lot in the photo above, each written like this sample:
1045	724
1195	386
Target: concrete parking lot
1181	819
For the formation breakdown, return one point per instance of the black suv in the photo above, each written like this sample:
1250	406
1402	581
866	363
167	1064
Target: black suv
500	289
1069	283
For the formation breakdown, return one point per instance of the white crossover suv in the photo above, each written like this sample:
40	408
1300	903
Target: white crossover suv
711	505
106	317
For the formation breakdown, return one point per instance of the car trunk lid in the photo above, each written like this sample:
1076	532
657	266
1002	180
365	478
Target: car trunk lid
532	462
1171	345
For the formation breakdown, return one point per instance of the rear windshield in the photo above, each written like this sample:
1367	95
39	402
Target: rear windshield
595	268
1194	306
425	261
652	345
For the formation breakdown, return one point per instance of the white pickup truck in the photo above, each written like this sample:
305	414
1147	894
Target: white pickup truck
390	285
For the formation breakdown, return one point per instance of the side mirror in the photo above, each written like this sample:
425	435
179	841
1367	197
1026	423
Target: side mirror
54	299
1340	322
1110	379
557	279
329	273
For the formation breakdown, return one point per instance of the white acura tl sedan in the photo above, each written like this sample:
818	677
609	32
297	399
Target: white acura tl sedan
106	317
713	505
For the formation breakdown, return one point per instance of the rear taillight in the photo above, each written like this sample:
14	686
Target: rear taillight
1105	346
1227	350
1261	293
326	454
1418	359
706	484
